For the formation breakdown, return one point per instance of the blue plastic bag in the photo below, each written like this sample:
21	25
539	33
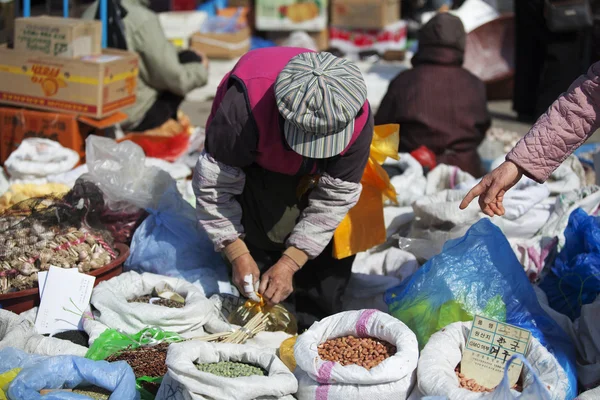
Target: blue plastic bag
67	372
11	358
575	277
169	242
478	273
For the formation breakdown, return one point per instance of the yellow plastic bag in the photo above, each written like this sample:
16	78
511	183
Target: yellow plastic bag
280	319
5	380
364	226
286	353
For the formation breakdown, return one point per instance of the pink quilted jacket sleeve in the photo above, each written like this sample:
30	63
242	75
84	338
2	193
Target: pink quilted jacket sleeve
571	119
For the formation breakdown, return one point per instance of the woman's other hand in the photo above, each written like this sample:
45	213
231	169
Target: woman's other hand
492	188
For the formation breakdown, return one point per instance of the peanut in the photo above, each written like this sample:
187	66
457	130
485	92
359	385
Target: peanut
364	352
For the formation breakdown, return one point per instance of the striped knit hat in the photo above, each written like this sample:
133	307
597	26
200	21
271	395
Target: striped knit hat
319	95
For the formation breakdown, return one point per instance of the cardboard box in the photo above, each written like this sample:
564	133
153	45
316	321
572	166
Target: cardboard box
58	37
7	20
222	45
392	38
321	38
95	86
291	15
179	26
365	14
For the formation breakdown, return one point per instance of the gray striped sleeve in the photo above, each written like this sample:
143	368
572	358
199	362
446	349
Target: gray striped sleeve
328	204
219	213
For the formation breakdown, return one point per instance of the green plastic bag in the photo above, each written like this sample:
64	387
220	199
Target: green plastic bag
112	342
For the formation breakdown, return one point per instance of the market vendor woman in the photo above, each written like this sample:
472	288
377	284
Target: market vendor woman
287	142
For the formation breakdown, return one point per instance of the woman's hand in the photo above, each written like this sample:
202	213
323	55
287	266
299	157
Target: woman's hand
242	266
277	283
492	188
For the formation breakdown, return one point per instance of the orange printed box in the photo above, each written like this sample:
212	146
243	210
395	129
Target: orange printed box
93	86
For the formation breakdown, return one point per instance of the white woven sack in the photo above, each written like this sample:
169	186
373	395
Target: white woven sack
410	184
36	158
444	177
443	352
112	310
327	380
185	382
20	333
593	394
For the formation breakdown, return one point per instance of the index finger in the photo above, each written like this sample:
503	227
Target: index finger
475	192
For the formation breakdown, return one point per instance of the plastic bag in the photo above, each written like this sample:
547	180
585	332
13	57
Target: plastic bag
480	274
20	333
575	277
185	381
112	308
280	319
112	342
169	242
364	226
391	379
286	353
36	157
11	358
5	380
67	372
406	175
546	380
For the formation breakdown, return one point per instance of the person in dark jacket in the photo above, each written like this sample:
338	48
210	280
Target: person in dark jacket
438	103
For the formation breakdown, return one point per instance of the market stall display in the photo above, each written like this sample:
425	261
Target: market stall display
391	377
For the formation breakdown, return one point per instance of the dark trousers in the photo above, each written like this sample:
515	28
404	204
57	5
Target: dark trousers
167	104
318	286
546	63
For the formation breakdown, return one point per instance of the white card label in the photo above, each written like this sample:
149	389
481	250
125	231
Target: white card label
489	347
65	296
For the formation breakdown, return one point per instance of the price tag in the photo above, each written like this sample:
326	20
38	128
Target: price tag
489	347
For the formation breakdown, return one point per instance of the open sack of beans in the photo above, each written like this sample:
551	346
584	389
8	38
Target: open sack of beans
438	371
131	302
217	371
20	333
356	354
71	378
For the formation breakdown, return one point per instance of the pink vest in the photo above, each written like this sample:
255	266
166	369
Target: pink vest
258	71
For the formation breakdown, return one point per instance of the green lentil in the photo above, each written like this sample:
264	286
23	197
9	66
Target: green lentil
93	392
229	369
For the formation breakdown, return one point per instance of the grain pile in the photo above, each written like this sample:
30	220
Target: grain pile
364	352
94	392
229	369
145	361
160	302
473	386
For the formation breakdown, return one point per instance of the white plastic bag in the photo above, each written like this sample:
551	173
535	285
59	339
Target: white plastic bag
20	333
185	382
443	352
375	272
37	158
113	310
410	182
392	379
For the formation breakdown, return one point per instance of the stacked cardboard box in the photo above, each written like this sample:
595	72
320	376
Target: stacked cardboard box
58	65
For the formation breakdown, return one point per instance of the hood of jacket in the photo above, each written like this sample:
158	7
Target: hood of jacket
441	41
